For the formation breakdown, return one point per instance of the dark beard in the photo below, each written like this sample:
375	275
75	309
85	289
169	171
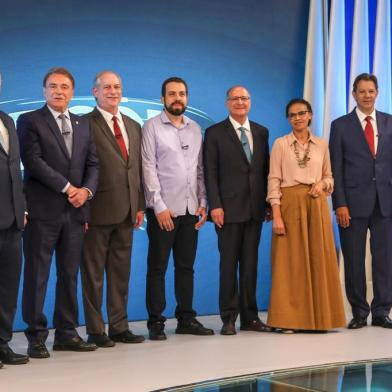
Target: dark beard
175	112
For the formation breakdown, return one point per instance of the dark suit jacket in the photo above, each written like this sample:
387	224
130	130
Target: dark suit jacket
48	166
11	194
119	189
232	183
359	178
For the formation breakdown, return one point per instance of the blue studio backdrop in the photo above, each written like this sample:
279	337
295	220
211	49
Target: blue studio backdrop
212	44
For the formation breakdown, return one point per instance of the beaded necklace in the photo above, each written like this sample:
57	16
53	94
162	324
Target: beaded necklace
302	163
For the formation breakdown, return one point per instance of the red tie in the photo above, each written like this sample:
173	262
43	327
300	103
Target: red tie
369	134
119	137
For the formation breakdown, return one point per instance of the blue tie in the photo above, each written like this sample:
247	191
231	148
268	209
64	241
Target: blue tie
245	144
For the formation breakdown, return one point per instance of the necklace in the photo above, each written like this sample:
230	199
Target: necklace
302	163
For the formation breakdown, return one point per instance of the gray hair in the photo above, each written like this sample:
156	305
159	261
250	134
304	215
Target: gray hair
228	92
99	74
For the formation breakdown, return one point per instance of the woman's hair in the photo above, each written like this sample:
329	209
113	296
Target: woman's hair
301	101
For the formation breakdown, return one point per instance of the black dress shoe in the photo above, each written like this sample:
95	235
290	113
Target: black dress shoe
192	327
156	331
74	344
37	350
100	340
257	326
127	337
384	322
357	322
228	329
8	357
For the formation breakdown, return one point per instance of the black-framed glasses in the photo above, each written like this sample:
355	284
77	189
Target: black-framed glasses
300	114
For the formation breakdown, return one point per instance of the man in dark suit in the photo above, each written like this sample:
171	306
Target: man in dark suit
61	174
236	160
361	145
11	225
117	208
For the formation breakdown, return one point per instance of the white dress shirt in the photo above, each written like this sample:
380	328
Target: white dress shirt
248	133
56	115
362	117
109	120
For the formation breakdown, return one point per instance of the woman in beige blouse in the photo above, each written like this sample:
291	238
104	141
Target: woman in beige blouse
305	292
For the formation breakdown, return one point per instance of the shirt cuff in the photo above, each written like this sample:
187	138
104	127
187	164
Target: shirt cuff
274	201
159	207
203	203
90	194
64	190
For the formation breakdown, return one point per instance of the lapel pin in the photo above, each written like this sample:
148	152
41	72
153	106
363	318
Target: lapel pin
77	122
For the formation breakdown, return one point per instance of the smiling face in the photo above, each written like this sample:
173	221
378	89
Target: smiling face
108	92
365	95
58	91
238	103
175	99
299	117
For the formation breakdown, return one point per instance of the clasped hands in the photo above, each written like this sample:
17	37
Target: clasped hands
319	188
77	196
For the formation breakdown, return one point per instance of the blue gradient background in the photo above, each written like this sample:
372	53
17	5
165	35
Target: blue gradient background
211	44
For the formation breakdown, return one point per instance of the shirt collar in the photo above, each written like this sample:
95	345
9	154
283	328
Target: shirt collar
109	116
56	114
362	115
166	119
293	139
237	125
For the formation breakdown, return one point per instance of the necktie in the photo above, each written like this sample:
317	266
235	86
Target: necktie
119	137
369	135
66	131
245	144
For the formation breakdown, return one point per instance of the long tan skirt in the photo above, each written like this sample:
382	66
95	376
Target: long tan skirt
305	292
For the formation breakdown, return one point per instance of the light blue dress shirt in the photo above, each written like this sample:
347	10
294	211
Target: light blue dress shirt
172	159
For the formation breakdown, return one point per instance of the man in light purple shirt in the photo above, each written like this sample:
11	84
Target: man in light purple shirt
176	207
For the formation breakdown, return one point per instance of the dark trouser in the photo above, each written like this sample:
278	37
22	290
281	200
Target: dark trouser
10	266
238	246
41	238
353	240
183	241
107	249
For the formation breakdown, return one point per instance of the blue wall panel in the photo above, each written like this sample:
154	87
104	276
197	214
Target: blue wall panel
212	44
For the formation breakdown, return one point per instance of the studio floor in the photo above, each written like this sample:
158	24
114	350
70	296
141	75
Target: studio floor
184	359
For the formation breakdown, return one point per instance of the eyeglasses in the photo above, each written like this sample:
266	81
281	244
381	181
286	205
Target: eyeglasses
300	114
238	99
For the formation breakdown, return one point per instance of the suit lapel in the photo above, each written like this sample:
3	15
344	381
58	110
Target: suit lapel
13	149
106	131
381	129
131	137
5	121
358	134
235	139
54	129
256	144
76	136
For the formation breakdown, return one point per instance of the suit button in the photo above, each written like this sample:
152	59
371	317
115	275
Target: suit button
374	179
